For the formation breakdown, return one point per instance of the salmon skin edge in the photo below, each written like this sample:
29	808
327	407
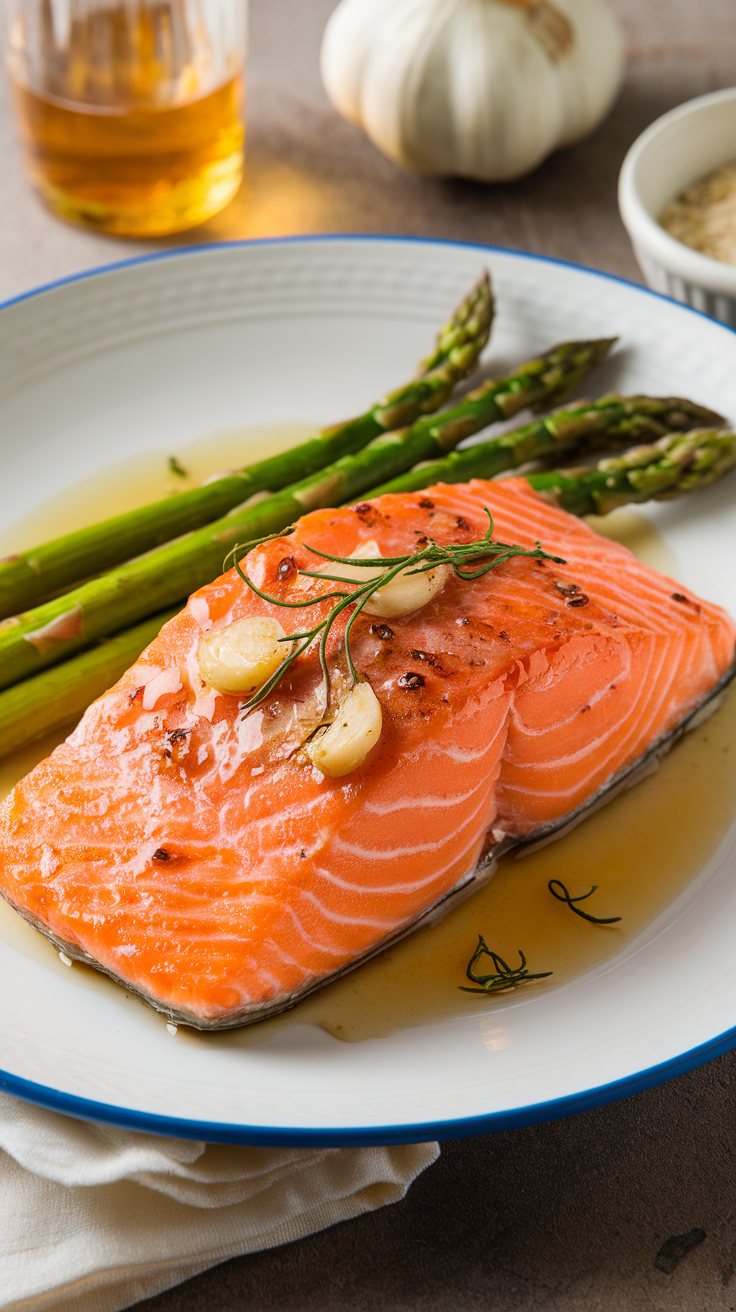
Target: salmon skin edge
470	883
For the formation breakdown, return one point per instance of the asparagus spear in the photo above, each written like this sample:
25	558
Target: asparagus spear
56	565
612	420
665	469
49	633
57	697
676	464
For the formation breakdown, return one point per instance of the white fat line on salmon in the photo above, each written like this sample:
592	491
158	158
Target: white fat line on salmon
320	873
284	965
649	611
553	766
578	550
397	890
636	599
451	500
658	687
293	848
463	757
471	755
265	972
376	854
272	946
260	973
430	803
529	732
295	813
285	908
367	922
521	728
641	768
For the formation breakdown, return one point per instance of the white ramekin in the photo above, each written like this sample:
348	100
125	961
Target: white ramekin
675	151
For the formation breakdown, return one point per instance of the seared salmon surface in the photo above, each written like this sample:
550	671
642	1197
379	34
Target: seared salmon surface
197	855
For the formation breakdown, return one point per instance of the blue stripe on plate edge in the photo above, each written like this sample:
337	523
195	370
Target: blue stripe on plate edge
347	1137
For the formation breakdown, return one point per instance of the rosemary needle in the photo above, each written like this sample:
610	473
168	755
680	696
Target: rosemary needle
502	976
564	896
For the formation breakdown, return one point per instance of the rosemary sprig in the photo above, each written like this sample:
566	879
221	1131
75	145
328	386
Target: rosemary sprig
564	896
502	976
484	554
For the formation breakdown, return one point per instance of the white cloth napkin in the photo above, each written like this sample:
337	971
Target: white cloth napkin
92	1219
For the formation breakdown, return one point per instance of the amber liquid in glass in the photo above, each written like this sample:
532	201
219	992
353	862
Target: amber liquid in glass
168	160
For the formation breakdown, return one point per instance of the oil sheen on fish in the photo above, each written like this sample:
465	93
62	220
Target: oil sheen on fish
197	855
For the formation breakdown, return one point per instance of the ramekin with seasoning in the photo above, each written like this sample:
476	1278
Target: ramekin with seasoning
675	179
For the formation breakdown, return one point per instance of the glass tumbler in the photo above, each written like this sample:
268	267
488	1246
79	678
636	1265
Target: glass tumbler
130	111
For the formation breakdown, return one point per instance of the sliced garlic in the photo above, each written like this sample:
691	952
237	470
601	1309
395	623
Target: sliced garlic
405	592
348	740
243	655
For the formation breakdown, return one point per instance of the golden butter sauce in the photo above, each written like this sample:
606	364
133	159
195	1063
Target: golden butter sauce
128	484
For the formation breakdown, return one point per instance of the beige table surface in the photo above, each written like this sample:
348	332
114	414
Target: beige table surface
566	1217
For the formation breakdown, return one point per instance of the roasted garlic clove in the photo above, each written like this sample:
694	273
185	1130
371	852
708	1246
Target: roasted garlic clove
356	573
407	591
242	656
348	740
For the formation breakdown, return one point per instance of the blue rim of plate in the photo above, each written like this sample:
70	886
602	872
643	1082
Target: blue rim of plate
349	1136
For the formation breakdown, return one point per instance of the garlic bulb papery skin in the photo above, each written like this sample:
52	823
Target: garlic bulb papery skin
482	89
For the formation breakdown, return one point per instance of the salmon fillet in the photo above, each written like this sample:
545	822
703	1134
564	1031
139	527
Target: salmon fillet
200	858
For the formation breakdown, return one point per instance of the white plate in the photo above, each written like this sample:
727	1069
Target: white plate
154	353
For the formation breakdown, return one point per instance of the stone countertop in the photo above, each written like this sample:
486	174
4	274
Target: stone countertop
569	1216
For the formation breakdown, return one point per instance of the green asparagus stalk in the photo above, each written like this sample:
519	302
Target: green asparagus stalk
675	464
612	420
57	565
57	697
51	632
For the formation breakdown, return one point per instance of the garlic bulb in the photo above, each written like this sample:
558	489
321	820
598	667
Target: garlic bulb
483	89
